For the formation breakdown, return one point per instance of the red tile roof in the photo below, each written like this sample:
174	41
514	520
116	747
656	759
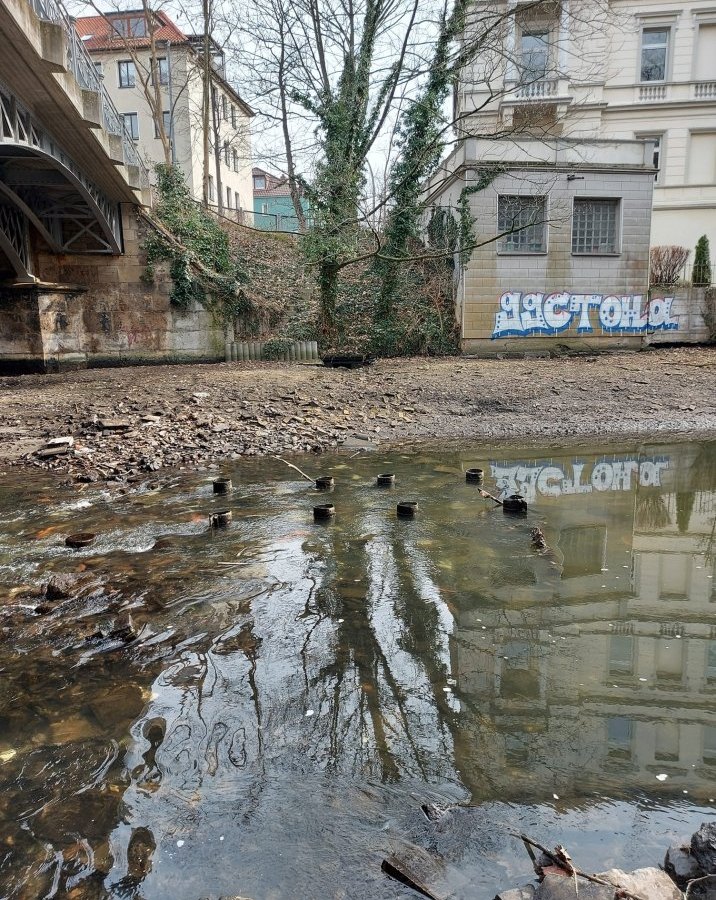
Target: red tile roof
97	32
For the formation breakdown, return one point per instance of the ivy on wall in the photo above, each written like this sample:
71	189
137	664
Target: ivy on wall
201	265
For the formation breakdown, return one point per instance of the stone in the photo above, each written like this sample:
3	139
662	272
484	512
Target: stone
561	887
49	452
60	587
61	442
650	882
526	892
681	865
118	706
703	848
114	424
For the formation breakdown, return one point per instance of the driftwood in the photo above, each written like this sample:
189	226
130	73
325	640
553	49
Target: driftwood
393	868
303	474
561	859
489	496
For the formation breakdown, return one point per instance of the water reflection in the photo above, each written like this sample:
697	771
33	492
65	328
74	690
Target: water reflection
297	691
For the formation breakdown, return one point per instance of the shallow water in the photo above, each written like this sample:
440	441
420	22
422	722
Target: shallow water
297	691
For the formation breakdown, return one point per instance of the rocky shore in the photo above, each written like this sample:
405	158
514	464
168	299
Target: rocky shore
119	424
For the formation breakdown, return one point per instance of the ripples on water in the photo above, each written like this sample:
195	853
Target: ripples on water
297	691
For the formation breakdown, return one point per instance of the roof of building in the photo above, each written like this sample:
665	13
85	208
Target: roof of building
97	32
98	35
276	185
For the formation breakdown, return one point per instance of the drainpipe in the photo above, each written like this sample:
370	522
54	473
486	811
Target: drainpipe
171	103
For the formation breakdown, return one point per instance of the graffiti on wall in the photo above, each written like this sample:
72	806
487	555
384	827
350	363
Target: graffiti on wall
548	479
532	313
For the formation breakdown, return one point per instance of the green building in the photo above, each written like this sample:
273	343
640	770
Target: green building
273	208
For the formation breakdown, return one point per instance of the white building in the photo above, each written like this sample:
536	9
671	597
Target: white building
120	44
624	70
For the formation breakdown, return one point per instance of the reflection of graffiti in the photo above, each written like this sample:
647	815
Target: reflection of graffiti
550	480
523	314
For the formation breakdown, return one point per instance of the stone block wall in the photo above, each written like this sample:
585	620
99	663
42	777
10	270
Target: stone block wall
532	301
97	310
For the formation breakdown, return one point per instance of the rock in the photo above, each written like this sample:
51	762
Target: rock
681	865
118	706
561	887
60	587
651	883
61	442
50	452
703	848
521	893
114	424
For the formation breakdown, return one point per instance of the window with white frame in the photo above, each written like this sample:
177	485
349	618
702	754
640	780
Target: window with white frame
228	198
225	108
534	56
235	160
233	117
227	153
522	221
163	66
654	54
595	226
127	73
236	200
259	182
131	123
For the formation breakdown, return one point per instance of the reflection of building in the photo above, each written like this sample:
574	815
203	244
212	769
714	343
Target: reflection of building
120	45
608	669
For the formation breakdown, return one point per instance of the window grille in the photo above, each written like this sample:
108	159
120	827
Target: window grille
594	226
525	219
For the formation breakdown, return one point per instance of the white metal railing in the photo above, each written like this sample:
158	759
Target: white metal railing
82	66
651	92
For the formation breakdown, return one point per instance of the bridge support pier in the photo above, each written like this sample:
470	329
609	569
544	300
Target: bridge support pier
99	311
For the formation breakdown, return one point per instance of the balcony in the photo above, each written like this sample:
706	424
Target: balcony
546	90
705	90
651	93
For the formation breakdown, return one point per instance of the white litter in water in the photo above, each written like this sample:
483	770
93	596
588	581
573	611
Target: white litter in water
556	797
180	843
221	837
642	679
662	777
310	712
686	792
447	690
341	620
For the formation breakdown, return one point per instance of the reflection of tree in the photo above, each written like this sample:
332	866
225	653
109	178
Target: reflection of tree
651	513
684	508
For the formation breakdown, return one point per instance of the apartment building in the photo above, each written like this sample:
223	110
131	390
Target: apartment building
120	44
591	125
622	70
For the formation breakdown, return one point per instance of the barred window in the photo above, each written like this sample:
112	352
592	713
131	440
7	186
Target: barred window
525	219
595	226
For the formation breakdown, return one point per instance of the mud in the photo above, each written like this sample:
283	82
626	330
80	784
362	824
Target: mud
127	422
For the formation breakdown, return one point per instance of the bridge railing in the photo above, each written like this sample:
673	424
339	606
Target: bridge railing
82	66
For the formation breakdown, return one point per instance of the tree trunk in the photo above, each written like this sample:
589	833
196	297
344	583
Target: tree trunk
328	284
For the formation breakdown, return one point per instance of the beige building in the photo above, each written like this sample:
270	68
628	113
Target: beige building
588	133
623	70
120	46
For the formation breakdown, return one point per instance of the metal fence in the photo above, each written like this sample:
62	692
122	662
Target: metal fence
82	66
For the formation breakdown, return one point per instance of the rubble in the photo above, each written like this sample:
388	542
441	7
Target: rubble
92	428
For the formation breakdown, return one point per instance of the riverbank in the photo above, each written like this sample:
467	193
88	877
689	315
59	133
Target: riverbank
126	422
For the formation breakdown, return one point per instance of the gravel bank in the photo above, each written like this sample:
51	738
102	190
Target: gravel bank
127	422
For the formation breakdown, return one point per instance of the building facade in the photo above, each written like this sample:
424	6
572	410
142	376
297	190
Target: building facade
273	206
623	70
585	133
120	45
